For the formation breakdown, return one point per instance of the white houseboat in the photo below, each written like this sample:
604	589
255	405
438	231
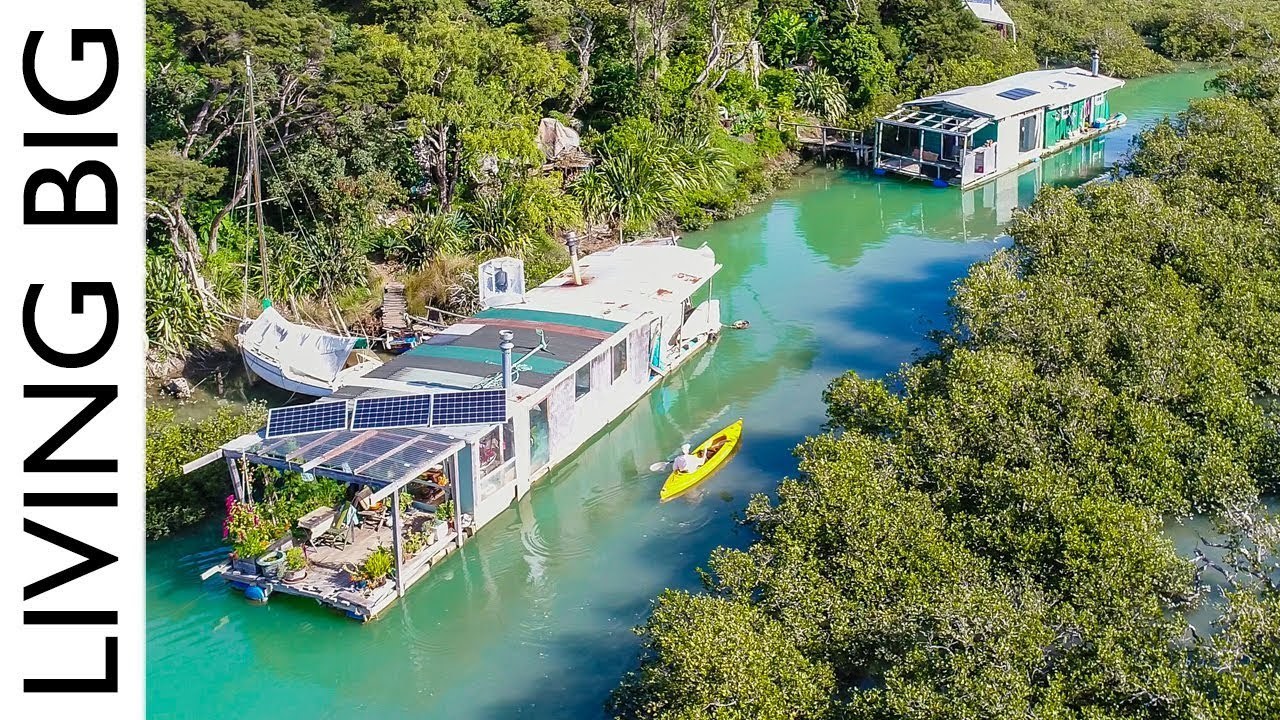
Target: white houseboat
480	411
968	136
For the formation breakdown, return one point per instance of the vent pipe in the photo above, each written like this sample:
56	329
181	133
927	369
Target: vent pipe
1096	56
571	240
507	346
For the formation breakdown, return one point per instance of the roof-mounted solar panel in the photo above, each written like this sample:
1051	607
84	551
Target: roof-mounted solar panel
391	412
469	407
302	419
1017	93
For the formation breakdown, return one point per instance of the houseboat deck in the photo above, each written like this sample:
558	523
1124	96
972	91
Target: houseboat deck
971	135
568	358
329	582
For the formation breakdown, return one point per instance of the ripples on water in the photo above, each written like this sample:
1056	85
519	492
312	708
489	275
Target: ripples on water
533	616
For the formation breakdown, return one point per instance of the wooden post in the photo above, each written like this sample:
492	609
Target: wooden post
457	516
395	540
824	142
237	483
875	155
453	491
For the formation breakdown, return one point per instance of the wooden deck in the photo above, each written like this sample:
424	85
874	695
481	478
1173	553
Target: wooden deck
828	138
328	580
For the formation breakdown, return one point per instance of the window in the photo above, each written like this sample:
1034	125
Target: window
539	437
1028	138
491	454
582	381
619	360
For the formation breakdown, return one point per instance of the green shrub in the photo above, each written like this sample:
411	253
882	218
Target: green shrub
380	565
295	559
175	500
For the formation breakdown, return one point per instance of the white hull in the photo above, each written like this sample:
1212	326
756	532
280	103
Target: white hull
271	373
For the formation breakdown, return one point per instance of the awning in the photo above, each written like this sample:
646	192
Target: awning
947	124
389	458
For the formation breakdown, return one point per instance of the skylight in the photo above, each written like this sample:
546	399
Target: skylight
1017	93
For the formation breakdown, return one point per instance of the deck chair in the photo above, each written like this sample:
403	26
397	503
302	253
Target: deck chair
371	514
342	533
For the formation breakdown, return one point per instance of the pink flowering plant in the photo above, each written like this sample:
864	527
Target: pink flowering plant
244	527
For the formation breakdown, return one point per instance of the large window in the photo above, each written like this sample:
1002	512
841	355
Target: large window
539	437
619	360
496	447
1028	137
582	381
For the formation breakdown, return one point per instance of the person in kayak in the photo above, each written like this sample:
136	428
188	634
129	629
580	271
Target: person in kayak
686	462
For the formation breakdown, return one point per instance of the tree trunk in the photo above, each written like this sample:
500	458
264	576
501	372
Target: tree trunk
216	226
584	42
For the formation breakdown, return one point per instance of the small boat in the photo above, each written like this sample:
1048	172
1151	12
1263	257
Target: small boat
299	358
715	451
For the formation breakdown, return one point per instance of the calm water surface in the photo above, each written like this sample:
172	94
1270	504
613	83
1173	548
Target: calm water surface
534	617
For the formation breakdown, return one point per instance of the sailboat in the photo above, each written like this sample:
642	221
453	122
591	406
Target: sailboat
294	357
299	358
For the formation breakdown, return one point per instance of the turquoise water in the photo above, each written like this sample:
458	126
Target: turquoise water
534	617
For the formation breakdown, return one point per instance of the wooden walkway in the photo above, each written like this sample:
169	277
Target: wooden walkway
394	308
827	138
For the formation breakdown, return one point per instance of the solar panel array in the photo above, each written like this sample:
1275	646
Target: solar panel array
302	419
390	412
469	407
1017	93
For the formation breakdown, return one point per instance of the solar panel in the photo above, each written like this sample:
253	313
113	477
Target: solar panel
1017	93
300	419
391	412
469	407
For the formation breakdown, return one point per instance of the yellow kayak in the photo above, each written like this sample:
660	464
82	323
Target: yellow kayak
714	452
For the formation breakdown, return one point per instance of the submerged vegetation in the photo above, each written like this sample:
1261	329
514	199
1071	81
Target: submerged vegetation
398	138
981	535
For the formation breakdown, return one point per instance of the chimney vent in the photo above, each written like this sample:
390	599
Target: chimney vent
507	346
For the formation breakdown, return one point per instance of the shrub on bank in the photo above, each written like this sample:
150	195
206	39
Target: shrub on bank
175	500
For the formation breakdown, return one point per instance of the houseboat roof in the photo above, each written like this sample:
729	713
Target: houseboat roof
619	286
989	11
1022	92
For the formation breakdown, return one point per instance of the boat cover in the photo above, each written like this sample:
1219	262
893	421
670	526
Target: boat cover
297	349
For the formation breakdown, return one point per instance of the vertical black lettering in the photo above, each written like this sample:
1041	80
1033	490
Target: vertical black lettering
109	682
79	38
79	291
39	460
69	215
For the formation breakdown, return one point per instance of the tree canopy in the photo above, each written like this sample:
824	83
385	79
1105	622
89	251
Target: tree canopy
981	536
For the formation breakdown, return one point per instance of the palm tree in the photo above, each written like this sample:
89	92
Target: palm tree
630	186
644	171
821	94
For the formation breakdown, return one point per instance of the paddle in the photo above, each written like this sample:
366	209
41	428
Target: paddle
660	466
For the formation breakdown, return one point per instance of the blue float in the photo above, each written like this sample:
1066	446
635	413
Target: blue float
253	593
878	171
940	183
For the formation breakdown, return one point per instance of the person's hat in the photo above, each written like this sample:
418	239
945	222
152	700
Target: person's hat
684	448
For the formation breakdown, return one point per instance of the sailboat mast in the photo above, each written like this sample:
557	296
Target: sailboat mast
255	169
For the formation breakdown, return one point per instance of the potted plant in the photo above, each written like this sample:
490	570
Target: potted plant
414	543
378	566
250	537
271	563
444	513
295	565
